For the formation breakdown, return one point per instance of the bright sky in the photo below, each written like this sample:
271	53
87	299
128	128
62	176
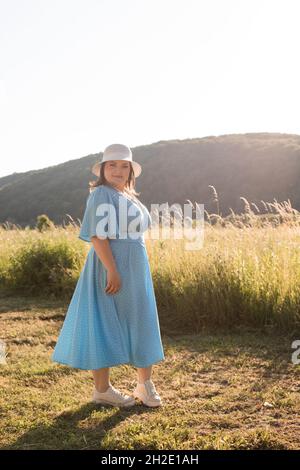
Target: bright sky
78	75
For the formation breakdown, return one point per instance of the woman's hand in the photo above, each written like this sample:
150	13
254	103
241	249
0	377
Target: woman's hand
113	282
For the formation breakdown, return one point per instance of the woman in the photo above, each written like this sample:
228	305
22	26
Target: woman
112	318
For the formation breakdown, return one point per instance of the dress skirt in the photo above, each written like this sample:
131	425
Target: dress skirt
103	330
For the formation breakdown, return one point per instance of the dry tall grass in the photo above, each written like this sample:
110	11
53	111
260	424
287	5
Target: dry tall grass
246	274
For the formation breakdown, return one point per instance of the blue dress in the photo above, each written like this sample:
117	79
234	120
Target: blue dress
104	330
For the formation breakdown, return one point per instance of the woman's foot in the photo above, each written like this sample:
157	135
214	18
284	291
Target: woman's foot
146	392
112	396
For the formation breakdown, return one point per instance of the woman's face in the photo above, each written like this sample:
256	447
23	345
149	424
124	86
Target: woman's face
116	172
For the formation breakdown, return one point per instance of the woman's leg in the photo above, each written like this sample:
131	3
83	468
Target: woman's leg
144	373
101	379
148	395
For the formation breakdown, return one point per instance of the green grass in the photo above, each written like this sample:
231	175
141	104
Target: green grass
213	386
228	314
241	277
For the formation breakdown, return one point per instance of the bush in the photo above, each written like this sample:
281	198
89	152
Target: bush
44	223
44	267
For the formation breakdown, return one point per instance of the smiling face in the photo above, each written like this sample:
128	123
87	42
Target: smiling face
116	172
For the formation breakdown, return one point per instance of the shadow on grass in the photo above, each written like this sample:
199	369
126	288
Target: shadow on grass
22	304
272	355
65	431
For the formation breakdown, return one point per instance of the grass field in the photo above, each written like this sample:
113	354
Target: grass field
229	313
247	277
220	391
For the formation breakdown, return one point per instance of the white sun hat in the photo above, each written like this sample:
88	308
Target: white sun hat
117	152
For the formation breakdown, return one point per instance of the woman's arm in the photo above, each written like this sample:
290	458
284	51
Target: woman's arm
103	250
104	253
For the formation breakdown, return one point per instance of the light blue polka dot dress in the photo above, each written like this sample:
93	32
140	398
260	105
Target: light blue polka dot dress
100	329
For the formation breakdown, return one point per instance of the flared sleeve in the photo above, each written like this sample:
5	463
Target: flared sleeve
99	218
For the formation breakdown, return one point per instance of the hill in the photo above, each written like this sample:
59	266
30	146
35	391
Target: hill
257	166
